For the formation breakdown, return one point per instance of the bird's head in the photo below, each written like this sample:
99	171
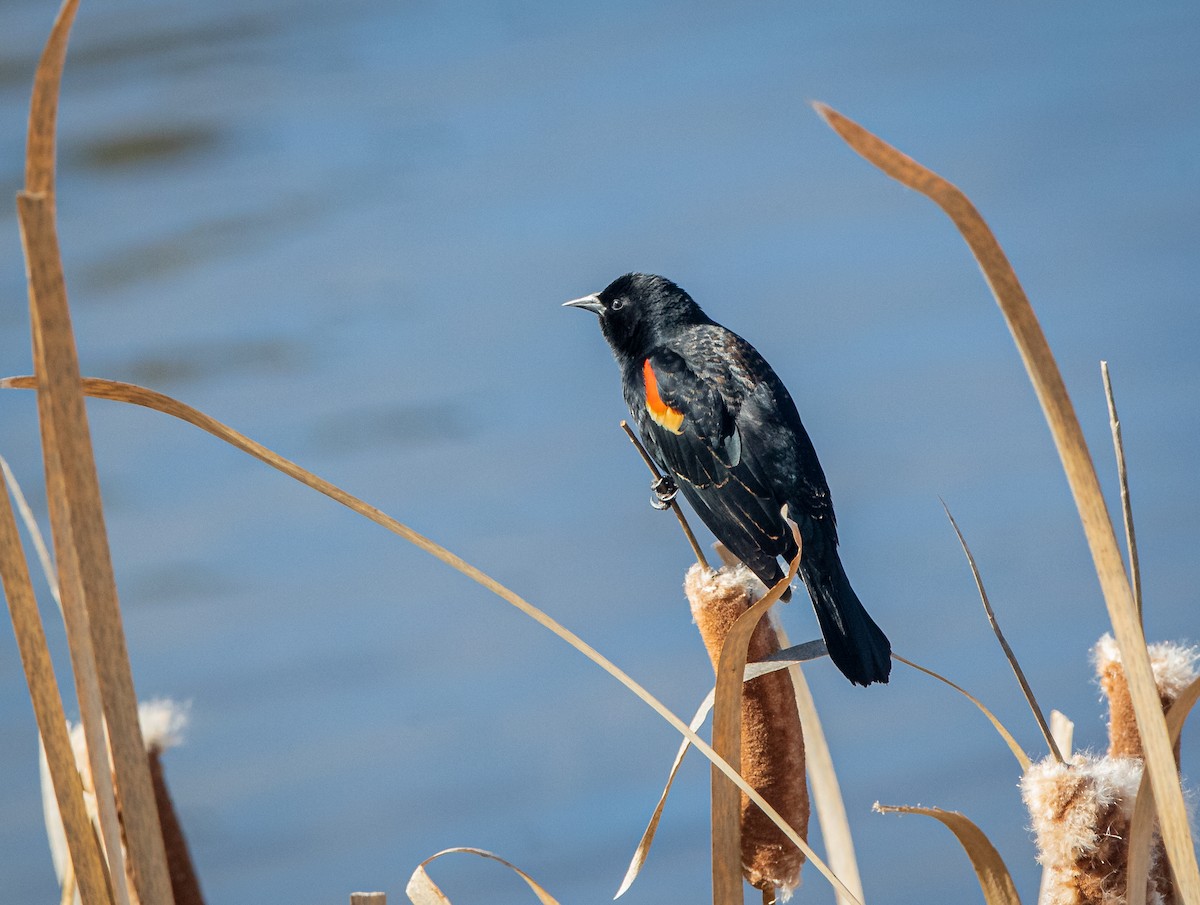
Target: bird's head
638	310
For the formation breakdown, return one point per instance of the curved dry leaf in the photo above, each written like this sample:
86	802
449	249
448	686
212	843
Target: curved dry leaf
1081	475
990	870
1141	823
1008	652
1021	756
136	395
421	889
643	846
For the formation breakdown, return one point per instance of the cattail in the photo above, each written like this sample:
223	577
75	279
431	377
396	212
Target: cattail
772	738
162	723
1081	812
1174	668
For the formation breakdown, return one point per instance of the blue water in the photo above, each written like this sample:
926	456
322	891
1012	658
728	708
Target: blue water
346	229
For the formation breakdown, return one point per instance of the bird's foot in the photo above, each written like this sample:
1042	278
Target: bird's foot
663	492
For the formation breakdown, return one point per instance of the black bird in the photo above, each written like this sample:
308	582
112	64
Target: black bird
716	418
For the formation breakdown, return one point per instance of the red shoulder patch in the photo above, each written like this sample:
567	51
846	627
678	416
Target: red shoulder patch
660	413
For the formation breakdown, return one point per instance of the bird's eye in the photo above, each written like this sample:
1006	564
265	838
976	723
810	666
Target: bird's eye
617	304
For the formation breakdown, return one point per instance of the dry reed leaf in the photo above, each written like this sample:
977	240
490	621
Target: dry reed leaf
1063	731
95	635
1081	475
1020	755
643	846
136	395
34	531
1141	824
994	878
727	741
421	889
48	709
1008	652
787	658
822	778
1114	423
823	784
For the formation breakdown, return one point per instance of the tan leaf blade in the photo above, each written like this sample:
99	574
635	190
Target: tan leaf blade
727	742
95	634
1021	756
787	658
1141	824
422	890
1008	652
48	709
643	846
1081	475
994	878
136	395
823	783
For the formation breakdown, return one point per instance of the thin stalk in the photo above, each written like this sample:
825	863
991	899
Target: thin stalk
1135	572
683	522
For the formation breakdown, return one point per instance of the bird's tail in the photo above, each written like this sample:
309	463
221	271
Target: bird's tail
857	646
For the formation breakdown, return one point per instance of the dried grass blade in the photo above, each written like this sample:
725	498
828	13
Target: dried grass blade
1021	756
823	782
47	302
77	518
727	742
1135	572
35	532
1063	731
44	269
786	658
1081	475
48	709
421	890
43	105
1008	652
426	891
136	395
1141	823
993	875
643	847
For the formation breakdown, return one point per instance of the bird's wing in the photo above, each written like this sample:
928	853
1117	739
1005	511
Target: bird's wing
688	421
693	433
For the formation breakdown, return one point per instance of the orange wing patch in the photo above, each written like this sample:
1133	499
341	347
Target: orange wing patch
660	413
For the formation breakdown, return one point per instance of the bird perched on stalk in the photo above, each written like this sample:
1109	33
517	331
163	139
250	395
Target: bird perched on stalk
719	421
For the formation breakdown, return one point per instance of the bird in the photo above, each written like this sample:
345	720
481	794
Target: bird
719	422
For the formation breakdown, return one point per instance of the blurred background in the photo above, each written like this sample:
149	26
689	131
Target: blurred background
346	229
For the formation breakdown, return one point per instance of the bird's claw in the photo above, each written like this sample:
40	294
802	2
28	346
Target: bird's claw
663	490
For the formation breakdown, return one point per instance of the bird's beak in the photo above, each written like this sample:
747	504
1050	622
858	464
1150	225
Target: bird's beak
590	302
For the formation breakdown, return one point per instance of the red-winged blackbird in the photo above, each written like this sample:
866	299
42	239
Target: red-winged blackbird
717	419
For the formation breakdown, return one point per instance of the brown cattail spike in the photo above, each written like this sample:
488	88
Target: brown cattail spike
1174	668
1080	812
772	738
